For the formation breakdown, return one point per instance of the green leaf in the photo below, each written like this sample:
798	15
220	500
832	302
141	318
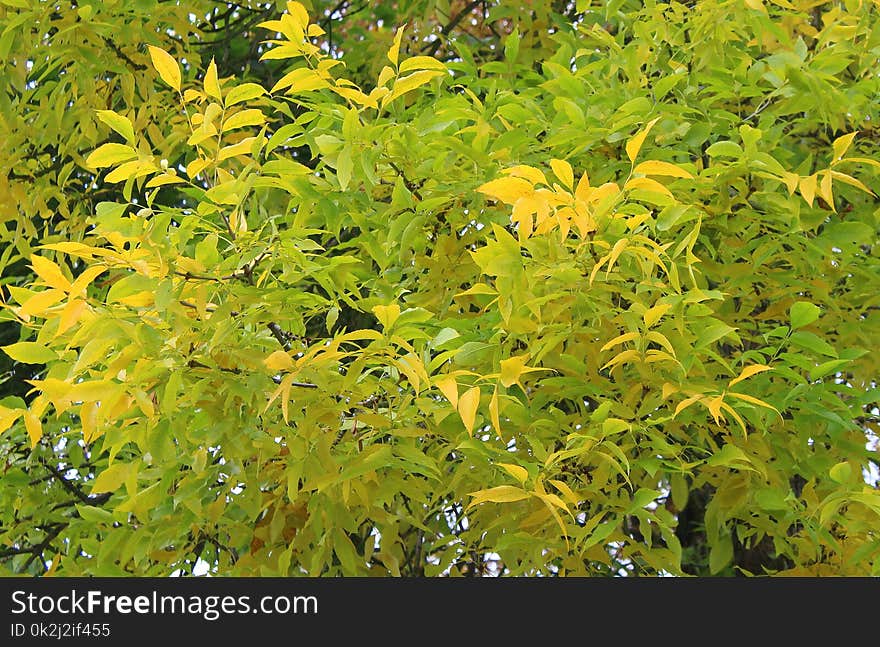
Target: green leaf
117	122
803	313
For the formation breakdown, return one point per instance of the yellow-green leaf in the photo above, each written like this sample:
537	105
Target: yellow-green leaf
29	352
500	494
249	117
387	315
421	63
166	66
408	83
8	417
110	154
117	122
111	478
244	92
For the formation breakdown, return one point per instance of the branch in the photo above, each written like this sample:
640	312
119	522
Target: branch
432	47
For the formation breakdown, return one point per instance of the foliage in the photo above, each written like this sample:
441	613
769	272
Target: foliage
586	289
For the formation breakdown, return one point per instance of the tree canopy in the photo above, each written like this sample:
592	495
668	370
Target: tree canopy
440	288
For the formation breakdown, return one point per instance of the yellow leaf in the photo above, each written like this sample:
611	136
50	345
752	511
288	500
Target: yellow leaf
808	188
410	82
513	367
516	471
825	190
166	66
50	273
421	63
582	191
621	358
842	144
748	372
448	387
684	404
735	415
299	14
467	407
662	168
530	173
507	189
634	145
714	406
302	79
620	339
387	315
564	172
110	154
567	493
500	494
212	83
163	179
244	147
653	315
848	179
647	184
279	361
111	478
244	92
493	411
394	52
40	302
8	417
249	117
34	427
129	170
753	400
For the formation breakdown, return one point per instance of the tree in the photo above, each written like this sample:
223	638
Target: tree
454	288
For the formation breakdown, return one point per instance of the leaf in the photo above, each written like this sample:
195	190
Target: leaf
109	155
654	314
302	79
249	117
49	272
118	123
842	144
748	372
166	66
493	411
422	63
212	83
244	92
387	315
803	313
620	339
518	472
720	553
514	367
499	494
841	473
410	82
8	417
449	388
564	172
111	478
29	352
634	145
280	360
394	52
33	426
725	149
467	407
662	168
808	188
507	189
